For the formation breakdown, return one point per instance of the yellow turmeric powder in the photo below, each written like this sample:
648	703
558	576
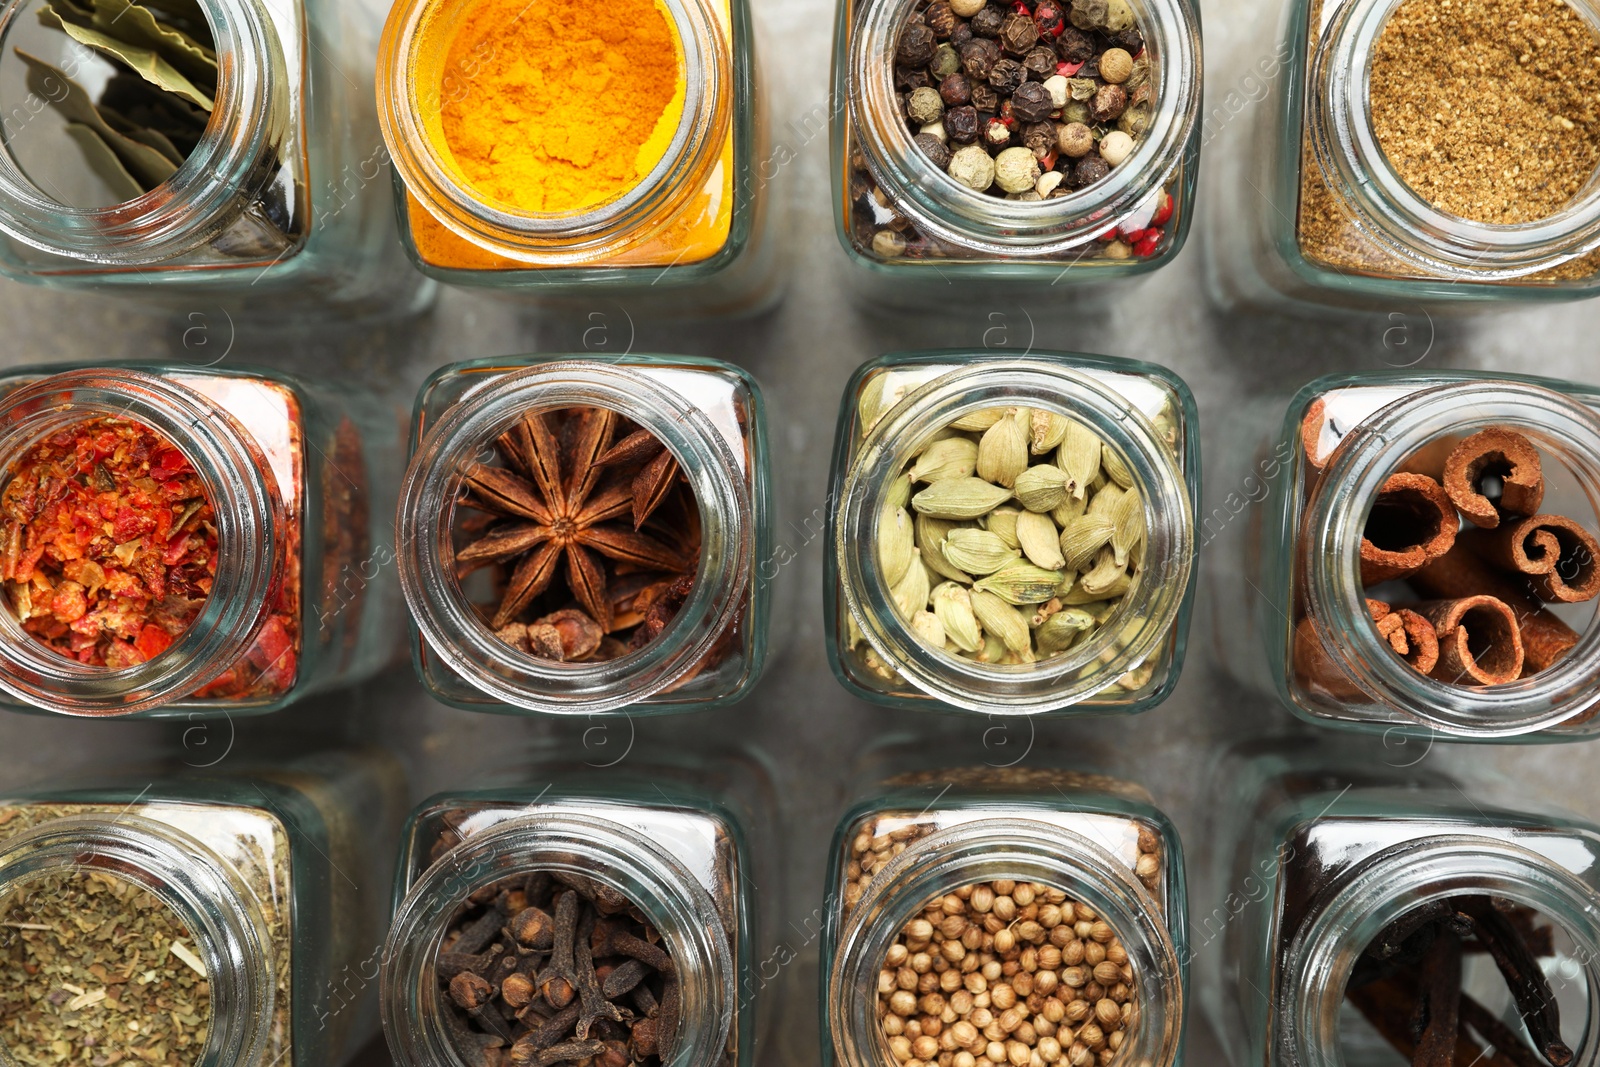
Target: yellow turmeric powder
569	104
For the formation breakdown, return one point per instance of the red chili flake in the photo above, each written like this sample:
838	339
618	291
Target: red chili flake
1068	70
104	523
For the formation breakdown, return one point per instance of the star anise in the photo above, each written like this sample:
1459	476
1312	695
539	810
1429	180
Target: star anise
560	502
655	478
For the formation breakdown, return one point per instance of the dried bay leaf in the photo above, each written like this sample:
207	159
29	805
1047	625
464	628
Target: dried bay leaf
146	165
103	161
145	62
133	23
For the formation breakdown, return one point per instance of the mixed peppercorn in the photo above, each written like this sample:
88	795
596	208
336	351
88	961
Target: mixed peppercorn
110	544
1026	101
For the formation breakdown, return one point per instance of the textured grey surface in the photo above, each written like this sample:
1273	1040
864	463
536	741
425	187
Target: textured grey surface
802	354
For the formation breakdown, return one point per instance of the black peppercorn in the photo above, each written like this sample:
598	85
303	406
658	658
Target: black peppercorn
1129	40
1041	137
960	35
955	90
907	80
1049	18
917	45
986	23
1018	34
961	124
1075	46
984	98
940	19
1109	102
1040	63
934	149
1031	102
1007	75
1091	67
1090	169
978	58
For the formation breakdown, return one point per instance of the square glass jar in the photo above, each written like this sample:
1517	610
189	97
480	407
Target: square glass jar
283	200
273	869
915	231
298	603
671	837
933	837
691	239
1309	211
1321	843
709	415
1298	564
892	408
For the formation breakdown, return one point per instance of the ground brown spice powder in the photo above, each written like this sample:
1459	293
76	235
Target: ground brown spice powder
1487	108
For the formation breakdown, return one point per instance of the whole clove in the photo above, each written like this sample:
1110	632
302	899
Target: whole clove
538	971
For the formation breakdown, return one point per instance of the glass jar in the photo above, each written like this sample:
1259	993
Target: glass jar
689	238
271	871
1307	504
1321	846
671	838
1309	208
282	198
1067	836
298	601
892	408
709	416
941	233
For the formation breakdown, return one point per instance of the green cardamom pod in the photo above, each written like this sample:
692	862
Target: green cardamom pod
1041	487
1060	630
1003	453
898	495
1046	430
1020	582
1116	467
953	606
1040	541
926	625
953	457
993	650
977	551
1104	500
980	420
1166	427
896	545
1069	509
876	401
1079	598
1127	525
930	533
960	499
911	592
1106	578
1138	678
1002	522
1083	538
1003	621
1079	457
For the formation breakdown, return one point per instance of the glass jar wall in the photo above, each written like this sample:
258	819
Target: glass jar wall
222	149
580	861
989	452
247	926
1021	912
918	217
646	593
1333	868
1315	202
236	569
673	220
1372	586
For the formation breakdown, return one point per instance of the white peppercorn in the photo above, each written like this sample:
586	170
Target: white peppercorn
925	105
1076	140
1115	147
973	167
888	245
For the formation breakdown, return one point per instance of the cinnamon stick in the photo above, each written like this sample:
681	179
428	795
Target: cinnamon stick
1494	472
1479	642
1410	635
1411	523
1462	573
1311	433
1560	558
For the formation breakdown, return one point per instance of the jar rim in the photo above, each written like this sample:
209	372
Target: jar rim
588	845
558	238
452	628
1025	689
1329	555
199	887
1020	848
995	226
250	520
1351	912
1388	210
211	188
